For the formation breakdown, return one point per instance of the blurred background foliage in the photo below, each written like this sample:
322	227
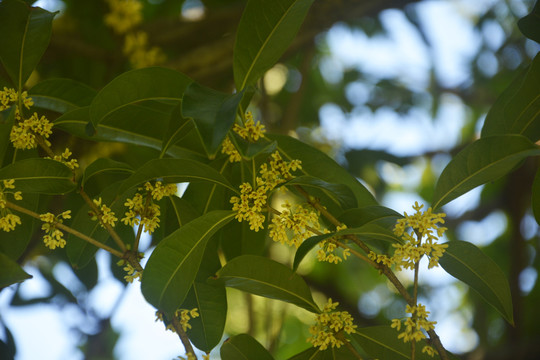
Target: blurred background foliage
339	104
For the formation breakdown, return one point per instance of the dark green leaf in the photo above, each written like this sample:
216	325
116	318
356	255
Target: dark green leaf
61	95
264	33
517	110
214	113
382	342
318	164
536	197
265	277
467	263
134	86
530	24
369	214
178	128
172	267
11	272
332	353
25	36
486	159
14	243
105	165
339	193
243	347
175	170
43	176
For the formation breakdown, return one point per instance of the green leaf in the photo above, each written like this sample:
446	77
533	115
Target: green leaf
26	32
243	346
43	176
61	95
153	83
486	159
382	342
369	214
318	164
517	110
341	194
7	119
214	113
105	165
368	232
536	197
11	272
264	277
139	124
178	128
332	353
467	263
530	24
172	267
264	33
175	170
14	243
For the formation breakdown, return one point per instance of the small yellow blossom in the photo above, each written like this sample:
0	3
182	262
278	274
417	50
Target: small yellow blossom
8	220
327	251
106	215
54	237
227	147
294	224
251	131
124	15
415	325
429	350
23	133
139	52
10	96
328	324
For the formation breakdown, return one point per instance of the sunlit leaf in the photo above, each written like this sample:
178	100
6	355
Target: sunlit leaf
153	83
469	264
243	347
486	159
265	277
26	32
61	95
172	267
264	33
214	113
43	176
11	272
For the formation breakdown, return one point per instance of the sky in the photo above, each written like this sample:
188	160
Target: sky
45	332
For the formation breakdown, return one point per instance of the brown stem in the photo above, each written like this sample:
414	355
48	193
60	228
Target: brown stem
183	336
66	229
108	227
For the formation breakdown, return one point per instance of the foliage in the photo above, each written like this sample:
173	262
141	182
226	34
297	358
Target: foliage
246	188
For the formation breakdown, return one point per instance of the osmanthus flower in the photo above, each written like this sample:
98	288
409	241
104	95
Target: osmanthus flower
294	224
415	326
139	52
24	131
183	316
124	15
328	325
328	247
251	131
131	272
228	148
142	210
10	96
8	220
106	215
420	234
64	159
252	201
54	237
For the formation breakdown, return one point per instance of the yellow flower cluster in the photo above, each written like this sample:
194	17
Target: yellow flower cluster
294	224
23	133
106	215
251	131
125	15
183	317
64	159
10	96
146	212
227	147
8	220
328	248
132	273
54	238
415	325
421	240
250	204
328	324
